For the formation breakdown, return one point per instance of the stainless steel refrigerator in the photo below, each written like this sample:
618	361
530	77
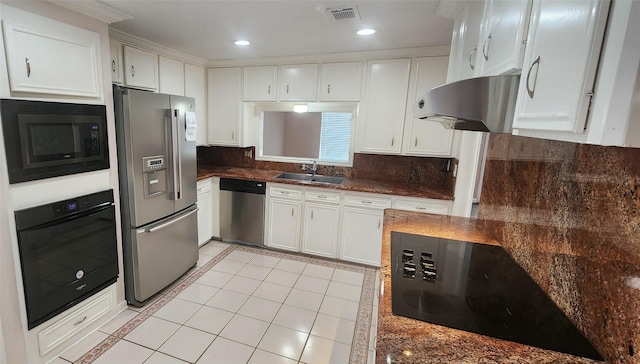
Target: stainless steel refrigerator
157	172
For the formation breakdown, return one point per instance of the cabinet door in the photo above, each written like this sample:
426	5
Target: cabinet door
171	76
195	86
260	83
504	30
361	236
140	68
466	33
424	137
320	229
563	47
115	50
225	106
205	211
53	58
299	82
283	224
340	81
385	105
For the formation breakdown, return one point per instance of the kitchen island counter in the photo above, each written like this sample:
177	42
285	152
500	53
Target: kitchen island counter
403	340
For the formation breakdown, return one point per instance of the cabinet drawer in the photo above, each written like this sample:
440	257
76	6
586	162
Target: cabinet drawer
423	205
367	201
82	316
322	196
285	192
203	186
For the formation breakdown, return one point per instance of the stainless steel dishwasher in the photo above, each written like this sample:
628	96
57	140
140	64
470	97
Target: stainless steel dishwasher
242	205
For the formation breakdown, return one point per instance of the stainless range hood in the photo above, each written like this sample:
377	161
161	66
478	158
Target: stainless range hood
478	104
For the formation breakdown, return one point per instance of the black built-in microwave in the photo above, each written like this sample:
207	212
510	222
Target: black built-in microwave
49	139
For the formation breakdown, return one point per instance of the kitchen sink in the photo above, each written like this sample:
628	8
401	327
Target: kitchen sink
310	178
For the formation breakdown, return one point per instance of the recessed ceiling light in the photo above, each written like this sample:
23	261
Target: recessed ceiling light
366	31
242	42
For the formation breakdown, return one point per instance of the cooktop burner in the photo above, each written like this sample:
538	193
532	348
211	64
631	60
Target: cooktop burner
477	288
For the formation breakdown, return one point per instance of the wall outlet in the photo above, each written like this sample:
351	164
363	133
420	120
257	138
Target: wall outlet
247	153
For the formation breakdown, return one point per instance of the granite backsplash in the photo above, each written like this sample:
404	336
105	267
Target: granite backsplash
570	215
436	173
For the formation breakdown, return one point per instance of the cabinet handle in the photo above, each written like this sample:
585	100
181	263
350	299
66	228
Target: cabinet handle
287	89
292	212
416	143
473	51
26	60
113	65
322	197
420	208
378	223
79	322
284	192
311	214
392	141
133	71
484	46
366	202
233	136
269	89
329	88
529	90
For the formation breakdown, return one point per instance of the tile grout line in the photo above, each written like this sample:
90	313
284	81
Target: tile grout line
142	316
363	318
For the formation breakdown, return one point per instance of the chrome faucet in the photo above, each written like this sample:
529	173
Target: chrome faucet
313	168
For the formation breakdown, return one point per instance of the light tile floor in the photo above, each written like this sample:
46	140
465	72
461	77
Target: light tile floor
246	305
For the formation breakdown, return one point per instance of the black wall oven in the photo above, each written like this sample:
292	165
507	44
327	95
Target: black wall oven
68	252
48	139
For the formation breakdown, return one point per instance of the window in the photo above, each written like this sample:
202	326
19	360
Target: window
335	136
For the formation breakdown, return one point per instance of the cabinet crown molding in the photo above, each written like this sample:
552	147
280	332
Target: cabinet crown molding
94	9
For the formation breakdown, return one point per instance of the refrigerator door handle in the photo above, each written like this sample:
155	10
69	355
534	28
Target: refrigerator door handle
175	156
167	223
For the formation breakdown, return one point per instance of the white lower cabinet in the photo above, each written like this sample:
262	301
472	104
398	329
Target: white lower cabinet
335	224
65	329
205	211
321	219
362	216
284	224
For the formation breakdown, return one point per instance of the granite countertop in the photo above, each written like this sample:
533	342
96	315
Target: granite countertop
350	184
406	340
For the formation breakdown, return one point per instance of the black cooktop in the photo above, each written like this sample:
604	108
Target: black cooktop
477	288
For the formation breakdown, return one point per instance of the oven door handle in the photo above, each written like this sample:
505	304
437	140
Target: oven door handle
68	218
163	225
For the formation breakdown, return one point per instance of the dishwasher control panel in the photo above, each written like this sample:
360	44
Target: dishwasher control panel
239	185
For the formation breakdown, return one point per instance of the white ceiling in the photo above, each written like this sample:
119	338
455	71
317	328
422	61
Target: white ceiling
208	28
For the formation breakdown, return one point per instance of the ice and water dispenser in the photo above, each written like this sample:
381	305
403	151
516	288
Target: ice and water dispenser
155	171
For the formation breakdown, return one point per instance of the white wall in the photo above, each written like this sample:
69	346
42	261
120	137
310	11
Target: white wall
19	344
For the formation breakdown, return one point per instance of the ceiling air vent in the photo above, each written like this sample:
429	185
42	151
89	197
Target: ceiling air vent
343	13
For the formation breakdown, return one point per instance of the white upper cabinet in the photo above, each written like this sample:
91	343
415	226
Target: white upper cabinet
464	46
140	68
225	106
299	82
340	81
425	137
195	86
557	82
504	30
384	106
115	50
49	57
260	83
171	75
